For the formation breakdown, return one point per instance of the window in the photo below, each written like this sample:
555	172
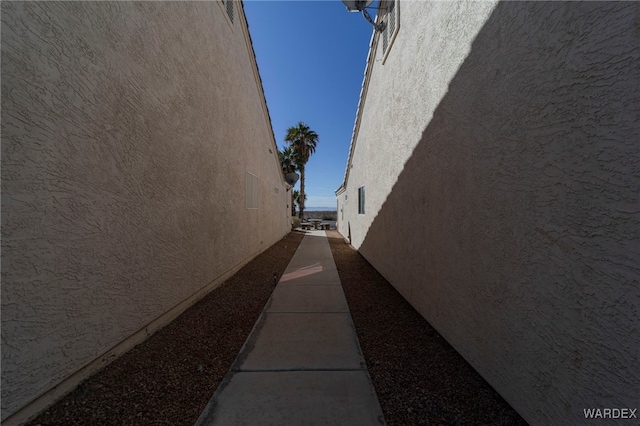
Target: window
251	191
391	19
228	5
361	200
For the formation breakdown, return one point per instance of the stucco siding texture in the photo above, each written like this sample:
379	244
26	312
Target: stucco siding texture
127	129
498	145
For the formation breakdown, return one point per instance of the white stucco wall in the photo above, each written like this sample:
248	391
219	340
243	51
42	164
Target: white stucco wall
498	145
127	129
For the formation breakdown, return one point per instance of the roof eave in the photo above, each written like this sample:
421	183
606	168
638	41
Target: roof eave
363	95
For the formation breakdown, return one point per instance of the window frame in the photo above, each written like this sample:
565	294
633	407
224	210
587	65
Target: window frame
361	200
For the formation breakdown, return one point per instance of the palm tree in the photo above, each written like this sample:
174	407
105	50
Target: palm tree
302	140
287	160
296	199
295	195
288	163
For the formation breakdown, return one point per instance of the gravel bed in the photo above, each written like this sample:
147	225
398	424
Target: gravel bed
169	378
419	378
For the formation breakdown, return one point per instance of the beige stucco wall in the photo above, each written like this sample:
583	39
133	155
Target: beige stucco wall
127	129
498	145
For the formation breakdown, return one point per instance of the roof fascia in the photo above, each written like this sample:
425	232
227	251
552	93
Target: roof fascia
373	43
273	148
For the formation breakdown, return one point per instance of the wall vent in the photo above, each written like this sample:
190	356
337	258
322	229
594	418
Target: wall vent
228	5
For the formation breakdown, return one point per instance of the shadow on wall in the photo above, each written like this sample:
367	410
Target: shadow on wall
513	227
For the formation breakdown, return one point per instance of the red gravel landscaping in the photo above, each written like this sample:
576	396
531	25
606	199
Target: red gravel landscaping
169	378
419	378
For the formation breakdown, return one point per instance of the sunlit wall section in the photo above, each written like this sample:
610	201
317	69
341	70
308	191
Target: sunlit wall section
403	86
497	146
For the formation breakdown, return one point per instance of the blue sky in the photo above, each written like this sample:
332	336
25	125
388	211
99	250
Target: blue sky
312	57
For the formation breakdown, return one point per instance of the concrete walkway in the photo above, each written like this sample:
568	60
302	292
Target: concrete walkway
302	363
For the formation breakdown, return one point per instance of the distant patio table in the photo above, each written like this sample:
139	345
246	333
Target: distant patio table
315	222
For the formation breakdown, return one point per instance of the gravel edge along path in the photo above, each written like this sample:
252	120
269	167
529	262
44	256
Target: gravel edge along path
169	378
419	378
